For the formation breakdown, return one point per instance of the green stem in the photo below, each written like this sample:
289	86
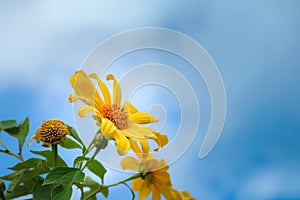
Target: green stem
112	185
7	151
91	159
55	152
90	147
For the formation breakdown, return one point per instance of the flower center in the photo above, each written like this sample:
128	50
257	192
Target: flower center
116	114
52	131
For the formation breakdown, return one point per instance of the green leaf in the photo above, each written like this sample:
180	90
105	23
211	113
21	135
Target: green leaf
11	176
2	186
6	124
49	156
65	177
14	182
23	183
70	144
42	192
2	189
93	186
30	163
97	168
79	160
24	130
24	187
23	180
105	192
20	132
74	134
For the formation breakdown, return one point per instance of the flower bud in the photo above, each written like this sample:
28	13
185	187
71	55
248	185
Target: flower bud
100	141
50	132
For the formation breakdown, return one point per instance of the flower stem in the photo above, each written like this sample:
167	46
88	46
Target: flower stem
7	151
114	184
54	150
91	159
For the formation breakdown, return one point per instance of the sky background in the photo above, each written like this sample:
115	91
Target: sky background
255	45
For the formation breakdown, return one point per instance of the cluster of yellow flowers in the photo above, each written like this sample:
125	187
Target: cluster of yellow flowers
121	122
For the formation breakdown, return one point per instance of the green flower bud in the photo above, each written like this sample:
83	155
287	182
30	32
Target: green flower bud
100	141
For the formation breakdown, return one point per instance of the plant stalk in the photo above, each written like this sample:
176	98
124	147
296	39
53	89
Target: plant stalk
55	153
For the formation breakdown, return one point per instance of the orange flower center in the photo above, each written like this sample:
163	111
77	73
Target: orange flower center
116	114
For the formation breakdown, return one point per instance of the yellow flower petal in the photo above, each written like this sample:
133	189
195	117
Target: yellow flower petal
35	136
130	108
162	176
117	95
162	165
84	110
107	127
155	193
122	142
134	146
138	132
143	118
73	98
137	183
103	88
145	190
184	193
129	163
176	194
162	138
73	78
85	89
145	145
165	190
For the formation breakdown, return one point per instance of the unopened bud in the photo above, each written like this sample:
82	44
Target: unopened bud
100	141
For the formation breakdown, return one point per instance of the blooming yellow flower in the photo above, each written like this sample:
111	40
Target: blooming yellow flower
155	177
50	132
120	121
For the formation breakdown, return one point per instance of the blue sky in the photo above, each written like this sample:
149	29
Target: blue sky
255	45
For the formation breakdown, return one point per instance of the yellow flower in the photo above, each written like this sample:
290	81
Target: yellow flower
120	121
50	132
155	177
